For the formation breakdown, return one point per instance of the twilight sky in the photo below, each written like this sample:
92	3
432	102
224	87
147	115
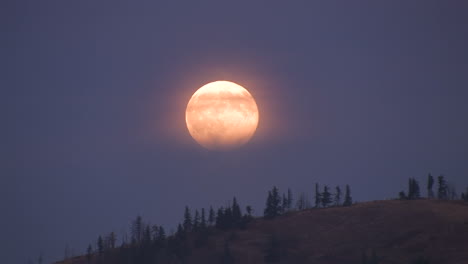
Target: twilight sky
361	92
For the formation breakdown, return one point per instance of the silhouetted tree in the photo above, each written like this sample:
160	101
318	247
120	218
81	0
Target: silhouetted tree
272	208
302	202
211	216
248	209
110	240
89	253
318	197
348	201
410	189
284	204
337	198
464	196
451	192
402	196
180	233
154	233
137	229
147	235
416	190
290	199
222	220
442	189
326	196
228	217
202	235
203	219
276	199
178	245
430	183
187	220
196	221
161	234
100	245
413	189
236	212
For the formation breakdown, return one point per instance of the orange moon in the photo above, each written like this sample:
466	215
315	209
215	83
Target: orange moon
221	115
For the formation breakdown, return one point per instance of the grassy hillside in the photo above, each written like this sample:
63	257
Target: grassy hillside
398	232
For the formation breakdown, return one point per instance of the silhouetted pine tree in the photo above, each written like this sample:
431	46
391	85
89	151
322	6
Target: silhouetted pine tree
246	218
268	207
154	233
220	218
228	217
100	245
236	212
416	190
161	235
302	202
137	230
337	198
402	196
451	192
196	221
410	188
326	196
442	190
464	196
202	235
203	219
211	216
318	197
180	233
284	204
110	240
146	235
179	245
413	189
290	199
276	199
188	224
272	208
348	201
89	253
430	183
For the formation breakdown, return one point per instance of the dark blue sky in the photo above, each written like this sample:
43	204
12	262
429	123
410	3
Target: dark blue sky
361	92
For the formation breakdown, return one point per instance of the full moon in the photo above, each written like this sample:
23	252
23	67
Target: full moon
221	115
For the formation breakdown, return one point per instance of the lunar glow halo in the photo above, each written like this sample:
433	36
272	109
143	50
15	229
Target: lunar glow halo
221	115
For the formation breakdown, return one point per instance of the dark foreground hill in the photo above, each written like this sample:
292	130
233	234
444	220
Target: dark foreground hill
396	231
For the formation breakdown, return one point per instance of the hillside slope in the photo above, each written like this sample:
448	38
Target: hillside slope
398	231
